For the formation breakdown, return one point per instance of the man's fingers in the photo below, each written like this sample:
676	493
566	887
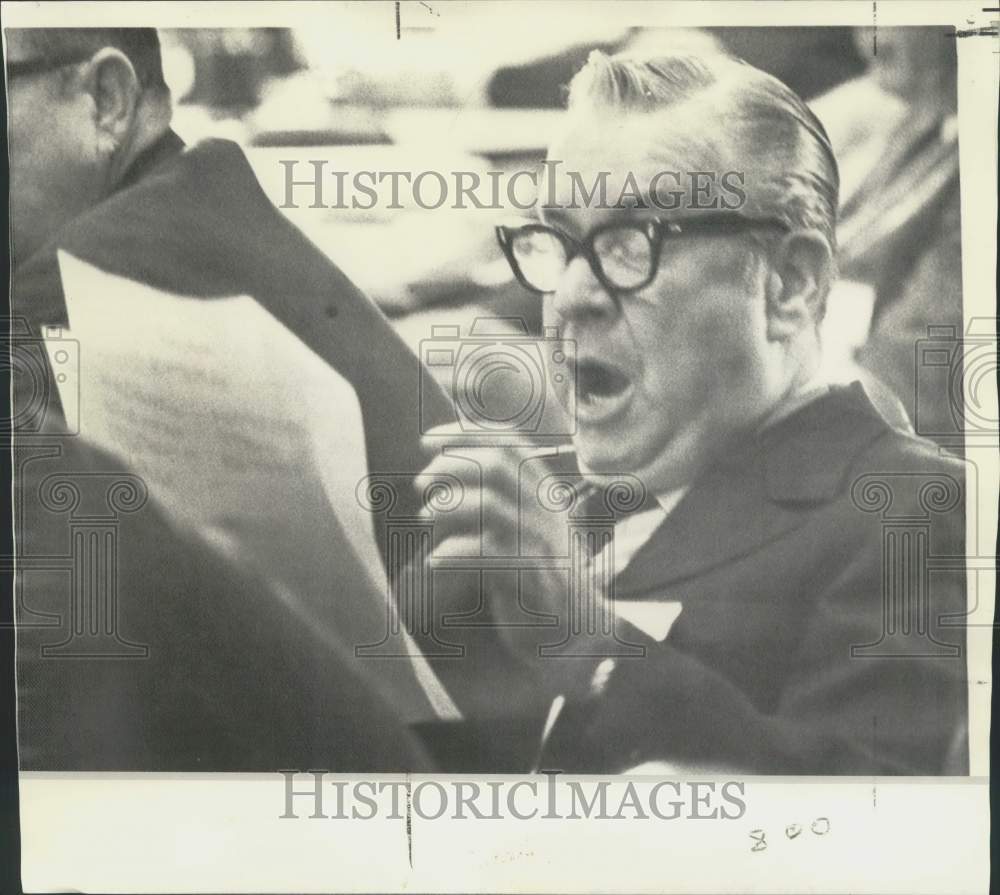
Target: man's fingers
493	523
513	475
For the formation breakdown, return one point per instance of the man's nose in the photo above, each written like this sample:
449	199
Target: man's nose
580	296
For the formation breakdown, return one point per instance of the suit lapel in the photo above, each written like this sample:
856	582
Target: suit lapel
758	495
720	519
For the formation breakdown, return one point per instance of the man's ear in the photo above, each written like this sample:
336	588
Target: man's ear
115	88
801	268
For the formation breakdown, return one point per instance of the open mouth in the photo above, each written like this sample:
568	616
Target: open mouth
602	389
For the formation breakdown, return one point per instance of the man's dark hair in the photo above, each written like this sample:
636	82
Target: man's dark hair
140	45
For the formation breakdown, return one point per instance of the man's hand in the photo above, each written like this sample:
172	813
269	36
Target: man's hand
503	533
499	567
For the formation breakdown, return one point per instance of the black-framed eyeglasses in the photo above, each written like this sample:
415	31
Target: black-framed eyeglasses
624	256
24	67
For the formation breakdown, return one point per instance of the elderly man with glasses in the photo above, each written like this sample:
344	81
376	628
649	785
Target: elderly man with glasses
771	611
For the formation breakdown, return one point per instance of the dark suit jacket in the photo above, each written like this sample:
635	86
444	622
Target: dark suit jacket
195	221
819	632
205	669
234	680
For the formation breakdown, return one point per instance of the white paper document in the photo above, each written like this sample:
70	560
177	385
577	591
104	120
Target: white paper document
244	434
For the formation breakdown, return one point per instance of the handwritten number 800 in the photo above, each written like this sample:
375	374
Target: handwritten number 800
819	827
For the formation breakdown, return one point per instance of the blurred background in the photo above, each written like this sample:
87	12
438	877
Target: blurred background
477	90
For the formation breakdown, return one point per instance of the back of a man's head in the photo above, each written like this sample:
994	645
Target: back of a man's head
83	104
140	45
747	121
